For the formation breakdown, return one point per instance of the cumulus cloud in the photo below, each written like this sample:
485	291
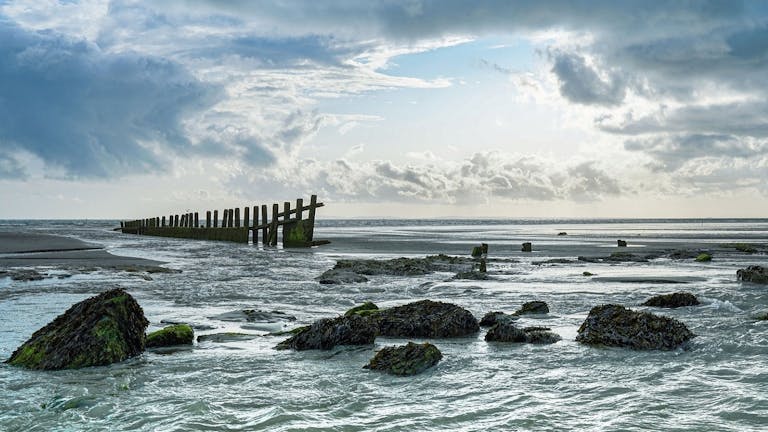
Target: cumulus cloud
582	83
11	168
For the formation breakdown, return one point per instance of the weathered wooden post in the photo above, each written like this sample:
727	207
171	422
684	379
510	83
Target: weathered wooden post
207	218
527	247
224	218
621	243
273	227
175	220
312	209
255	224
197	222
215	218
299	208
264	231
231	224
163	222
237	217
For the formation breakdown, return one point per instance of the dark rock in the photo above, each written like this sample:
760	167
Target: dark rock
337	277
761	315
26	275
410	359
562	233
98	331
351	271
226	337
621	243
682	254
704	257
527	247
179	334
615	325
426	318
533	307
754	274
364	309
327	333
195	326
618	257
252	315
477	252
472	275
554	261
586	273
674	300
493	318
508	332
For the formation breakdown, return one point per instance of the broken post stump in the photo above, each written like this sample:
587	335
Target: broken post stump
527	247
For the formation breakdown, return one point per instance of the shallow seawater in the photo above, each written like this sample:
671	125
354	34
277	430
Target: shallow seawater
718	383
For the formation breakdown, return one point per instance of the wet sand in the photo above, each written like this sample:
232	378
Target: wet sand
33	249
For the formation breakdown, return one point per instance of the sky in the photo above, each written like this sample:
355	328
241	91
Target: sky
445	108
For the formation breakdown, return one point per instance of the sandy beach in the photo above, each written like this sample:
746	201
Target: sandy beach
34	249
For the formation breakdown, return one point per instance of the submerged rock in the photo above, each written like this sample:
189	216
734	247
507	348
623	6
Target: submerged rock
253	315
426	318
179	334
98	331
364	309
619	257
508	332
674	300
492	318
682	254
754	274
533	307
472	275
410	359
617	326
226	337
23	275
704	257
340	276
326	333
554	261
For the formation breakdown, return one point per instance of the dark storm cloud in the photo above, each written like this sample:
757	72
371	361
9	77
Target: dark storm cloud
90	113
580	82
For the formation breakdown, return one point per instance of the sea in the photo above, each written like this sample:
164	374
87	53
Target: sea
719	382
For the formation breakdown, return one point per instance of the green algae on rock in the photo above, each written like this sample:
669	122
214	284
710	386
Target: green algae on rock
178	334
405	360
327	333
704	257
100	330
364	309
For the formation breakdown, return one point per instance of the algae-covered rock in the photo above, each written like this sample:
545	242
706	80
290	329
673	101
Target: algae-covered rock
617	326
508	332
472	275
533	307
426	318
674	300
492	318
340	276
178	334
356	270
364	309
326	333
703	257
586	273
754	274
410	359
98	331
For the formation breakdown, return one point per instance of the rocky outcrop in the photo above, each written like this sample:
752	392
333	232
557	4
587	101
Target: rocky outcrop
426	318
472	275
533	307
619	257
674	300
493	318
98	331
754	274
179	334
410	359
508	332
351	271
325	334
616	326
364	309
340	276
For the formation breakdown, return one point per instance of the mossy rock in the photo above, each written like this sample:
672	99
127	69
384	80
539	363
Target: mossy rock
674	300
410	359
178	334
101	330
586	273
704	257
533	307
365	309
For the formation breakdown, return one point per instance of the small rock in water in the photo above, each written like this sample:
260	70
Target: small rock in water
617	326
426	318
621	243
252	315
533	307
492	318
704	257
405	360
326	333
226	337
338	276
472	275
586	273
508	332
101	330
364	309
179	334
754	274
527	247
674	300
562	233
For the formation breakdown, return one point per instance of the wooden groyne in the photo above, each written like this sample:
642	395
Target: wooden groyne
297	231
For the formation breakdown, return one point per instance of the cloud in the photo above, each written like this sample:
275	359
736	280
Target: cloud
582	83
91	113
11	168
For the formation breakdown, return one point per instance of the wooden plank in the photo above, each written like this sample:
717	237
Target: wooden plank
313	205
